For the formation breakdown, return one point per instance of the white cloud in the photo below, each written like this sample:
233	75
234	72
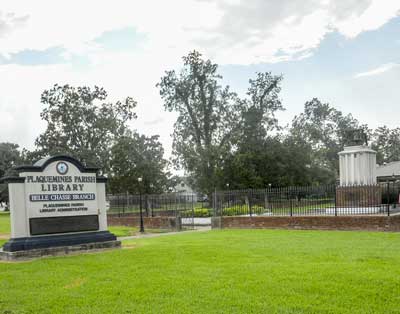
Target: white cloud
20	100
234	31
253	31
74	24
10	22
379	70
375	15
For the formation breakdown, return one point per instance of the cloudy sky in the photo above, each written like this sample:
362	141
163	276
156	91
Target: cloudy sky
346	52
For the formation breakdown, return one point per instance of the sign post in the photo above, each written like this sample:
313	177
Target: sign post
57	206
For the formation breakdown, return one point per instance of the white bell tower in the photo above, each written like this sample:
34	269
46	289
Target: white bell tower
357	166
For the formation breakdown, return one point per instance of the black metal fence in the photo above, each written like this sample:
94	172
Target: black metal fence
156	205
329	200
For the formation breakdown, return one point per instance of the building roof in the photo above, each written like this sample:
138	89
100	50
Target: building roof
388	170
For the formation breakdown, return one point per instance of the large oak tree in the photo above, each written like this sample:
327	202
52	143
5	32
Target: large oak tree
81	122
208	117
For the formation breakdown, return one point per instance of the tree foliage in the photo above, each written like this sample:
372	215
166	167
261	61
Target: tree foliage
258	116
9	157
82	123
386	142
260	158
323	127
208	117
135	156
221	139
274	162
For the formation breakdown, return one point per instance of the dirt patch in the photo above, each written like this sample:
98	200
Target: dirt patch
4	236
129	246
75	284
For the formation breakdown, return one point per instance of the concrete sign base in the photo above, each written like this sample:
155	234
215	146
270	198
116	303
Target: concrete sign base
57	251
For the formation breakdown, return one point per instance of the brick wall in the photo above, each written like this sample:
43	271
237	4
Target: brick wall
372	223
146	213
149	222
363	196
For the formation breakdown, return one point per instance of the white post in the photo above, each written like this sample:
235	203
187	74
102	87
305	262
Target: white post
101	203
18	212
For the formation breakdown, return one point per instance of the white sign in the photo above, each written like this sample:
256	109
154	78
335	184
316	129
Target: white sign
57	202
60	190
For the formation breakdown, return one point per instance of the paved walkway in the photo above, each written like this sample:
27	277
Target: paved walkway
154	235
206	221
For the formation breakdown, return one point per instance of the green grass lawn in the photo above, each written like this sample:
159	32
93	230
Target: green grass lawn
4	223
4	228
228	271
124	231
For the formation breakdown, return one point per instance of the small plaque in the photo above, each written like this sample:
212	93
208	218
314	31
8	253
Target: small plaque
62	168
53	225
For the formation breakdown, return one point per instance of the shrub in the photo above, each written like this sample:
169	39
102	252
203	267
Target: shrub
242	210
198	212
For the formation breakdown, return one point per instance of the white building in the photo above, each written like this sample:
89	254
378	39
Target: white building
185	190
